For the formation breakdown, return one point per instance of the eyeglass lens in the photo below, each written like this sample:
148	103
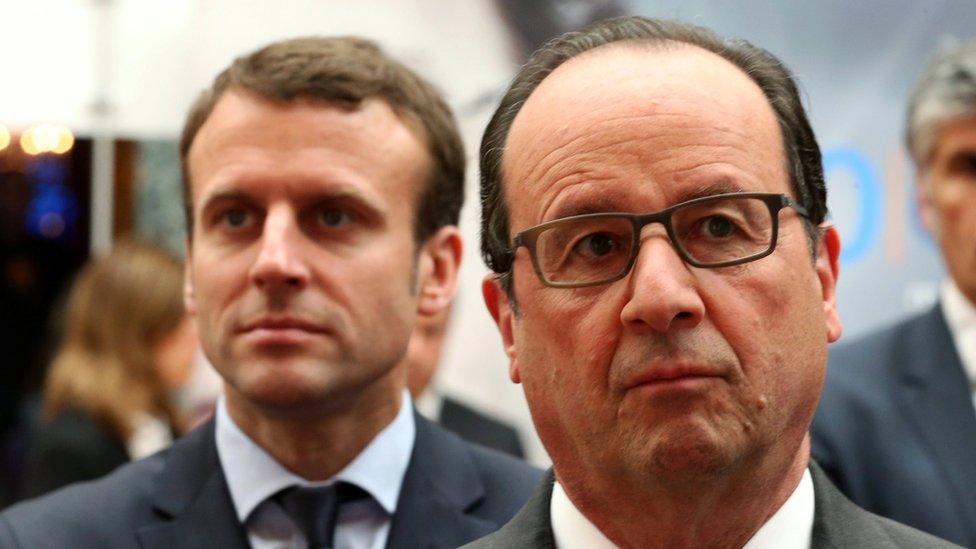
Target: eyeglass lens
590	249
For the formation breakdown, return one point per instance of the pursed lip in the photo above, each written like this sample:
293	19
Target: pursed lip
283	323
663	374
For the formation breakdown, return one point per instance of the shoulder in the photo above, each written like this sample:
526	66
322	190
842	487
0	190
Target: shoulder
865	369
504	473
107	512
863	375
69	448
456	415
479	428
531	527
908	537
872	353
103	512
75	435
72	427
502	483
840	523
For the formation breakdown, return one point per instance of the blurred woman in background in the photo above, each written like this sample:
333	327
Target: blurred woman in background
127	346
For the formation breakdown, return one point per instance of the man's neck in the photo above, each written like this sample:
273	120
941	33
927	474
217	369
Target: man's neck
716	513
319	444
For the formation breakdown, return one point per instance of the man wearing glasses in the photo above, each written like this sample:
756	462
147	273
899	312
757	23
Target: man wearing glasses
654	210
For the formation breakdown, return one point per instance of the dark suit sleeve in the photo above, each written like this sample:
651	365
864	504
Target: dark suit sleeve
72	448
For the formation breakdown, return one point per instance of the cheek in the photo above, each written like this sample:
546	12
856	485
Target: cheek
566	341
376	291
957	221
777	332
218	289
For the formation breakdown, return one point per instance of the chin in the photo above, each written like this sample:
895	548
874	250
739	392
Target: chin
688	451
285	387
280	396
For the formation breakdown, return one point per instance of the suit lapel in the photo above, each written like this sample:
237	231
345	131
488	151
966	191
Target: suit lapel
937	401
439	489
838	523
192	497
532	526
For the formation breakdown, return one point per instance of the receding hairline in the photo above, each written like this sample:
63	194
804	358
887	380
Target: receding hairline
650	45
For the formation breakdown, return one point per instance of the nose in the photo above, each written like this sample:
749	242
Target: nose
662	291
280	265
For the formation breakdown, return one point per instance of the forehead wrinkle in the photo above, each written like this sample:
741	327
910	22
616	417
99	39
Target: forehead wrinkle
627	130
640	98
591	165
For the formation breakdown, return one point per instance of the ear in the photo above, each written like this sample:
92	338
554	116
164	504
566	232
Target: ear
501	311
438	266
828	268
923	196
189	299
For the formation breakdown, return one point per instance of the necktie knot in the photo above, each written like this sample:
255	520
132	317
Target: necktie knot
315	509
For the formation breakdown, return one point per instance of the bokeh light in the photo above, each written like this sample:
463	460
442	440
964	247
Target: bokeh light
27	142
47	138
4	137
66	140
52	225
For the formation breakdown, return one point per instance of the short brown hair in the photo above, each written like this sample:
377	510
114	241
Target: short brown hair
119	308
346	70
773	78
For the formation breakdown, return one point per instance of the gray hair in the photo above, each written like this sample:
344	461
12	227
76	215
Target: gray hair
945	90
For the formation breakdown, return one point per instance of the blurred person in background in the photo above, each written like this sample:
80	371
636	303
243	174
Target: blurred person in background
127	347
896	426
421	361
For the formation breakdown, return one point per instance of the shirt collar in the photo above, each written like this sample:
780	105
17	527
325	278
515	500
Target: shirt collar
570	528
960	316
789	528
253	475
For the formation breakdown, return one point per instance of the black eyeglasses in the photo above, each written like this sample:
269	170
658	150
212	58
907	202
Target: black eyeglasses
715	231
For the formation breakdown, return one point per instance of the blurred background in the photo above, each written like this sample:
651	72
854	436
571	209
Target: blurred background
93	94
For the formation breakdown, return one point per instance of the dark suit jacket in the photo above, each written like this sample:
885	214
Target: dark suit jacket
473	426
71	448
837	524
896	428
452	493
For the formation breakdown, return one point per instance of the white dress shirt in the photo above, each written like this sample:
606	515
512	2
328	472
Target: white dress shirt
789	528
253	476
960	315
